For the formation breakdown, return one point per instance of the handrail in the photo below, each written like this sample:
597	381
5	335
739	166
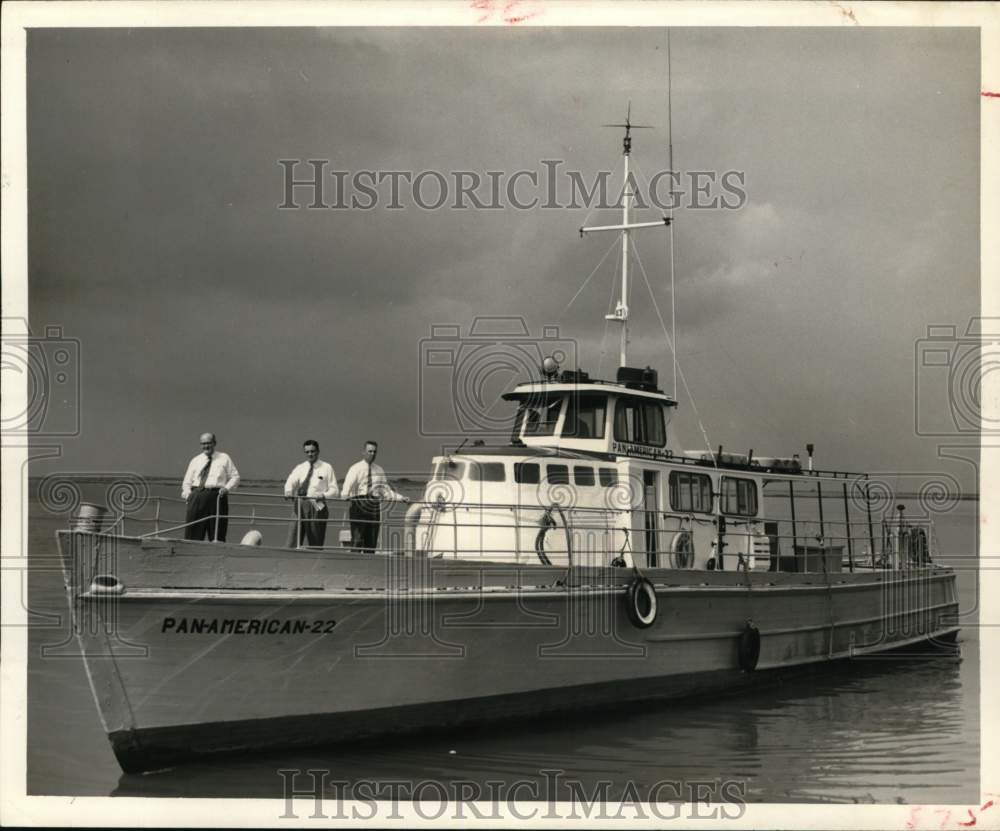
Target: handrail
601	514
904	542
271	497
901	548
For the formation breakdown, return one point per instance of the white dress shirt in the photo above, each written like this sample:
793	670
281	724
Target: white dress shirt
356	482
221	474
323	484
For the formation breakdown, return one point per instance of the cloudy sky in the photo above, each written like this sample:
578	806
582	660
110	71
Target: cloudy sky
155	236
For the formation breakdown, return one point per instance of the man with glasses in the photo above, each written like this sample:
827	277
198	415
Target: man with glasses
310	484
209	478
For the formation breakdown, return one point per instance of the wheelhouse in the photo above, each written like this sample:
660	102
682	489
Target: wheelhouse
574	412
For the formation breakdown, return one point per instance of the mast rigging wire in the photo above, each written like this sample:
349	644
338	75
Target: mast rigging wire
592	273
687	389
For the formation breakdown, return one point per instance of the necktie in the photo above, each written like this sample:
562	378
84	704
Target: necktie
304	487
368	491
203	476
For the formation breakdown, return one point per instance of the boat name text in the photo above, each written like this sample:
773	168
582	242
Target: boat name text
640	450
245	626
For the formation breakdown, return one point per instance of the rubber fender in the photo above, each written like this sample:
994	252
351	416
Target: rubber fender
748	649
640	603
252	538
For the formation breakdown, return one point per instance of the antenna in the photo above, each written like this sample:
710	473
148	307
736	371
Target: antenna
621	310
670	212
629	127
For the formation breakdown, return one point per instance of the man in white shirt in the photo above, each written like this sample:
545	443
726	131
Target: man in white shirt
209	478
310	484
367	488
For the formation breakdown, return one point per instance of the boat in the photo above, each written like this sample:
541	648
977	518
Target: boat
586	563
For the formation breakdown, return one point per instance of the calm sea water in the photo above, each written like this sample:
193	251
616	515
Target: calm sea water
885	731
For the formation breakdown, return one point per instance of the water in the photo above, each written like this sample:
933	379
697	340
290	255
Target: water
883	730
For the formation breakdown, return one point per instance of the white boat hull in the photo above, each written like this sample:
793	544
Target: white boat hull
194	648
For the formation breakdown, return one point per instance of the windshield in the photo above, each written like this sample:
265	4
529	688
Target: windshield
585	416
538	418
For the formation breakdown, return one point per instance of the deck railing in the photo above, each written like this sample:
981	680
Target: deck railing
576	534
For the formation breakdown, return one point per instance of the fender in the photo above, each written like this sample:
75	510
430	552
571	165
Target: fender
748	647
640	602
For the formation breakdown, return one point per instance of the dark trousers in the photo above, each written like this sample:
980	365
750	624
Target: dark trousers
365	515
311	526
201	512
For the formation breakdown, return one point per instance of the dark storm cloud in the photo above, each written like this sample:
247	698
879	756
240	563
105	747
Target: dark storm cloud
154	233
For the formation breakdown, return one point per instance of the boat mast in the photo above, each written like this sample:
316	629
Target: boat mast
621	310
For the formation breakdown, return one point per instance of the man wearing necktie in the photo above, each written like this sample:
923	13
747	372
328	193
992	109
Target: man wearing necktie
310	484
209	478
367	487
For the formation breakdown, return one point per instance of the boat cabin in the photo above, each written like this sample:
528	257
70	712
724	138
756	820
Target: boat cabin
590	476
571	411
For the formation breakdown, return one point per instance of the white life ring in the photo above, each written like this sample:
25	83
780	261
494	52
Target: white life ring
682	550
640	603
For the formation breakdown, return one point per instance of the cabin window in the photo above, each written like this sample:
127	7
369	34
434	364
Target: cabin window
538	418
526	473
739	496
583	476
449	469
640	421
690	492
558	474
486	472
608	476
585	416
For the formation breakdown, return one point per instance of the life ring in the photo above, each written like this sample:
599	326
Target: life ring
682	550
640	603
748	648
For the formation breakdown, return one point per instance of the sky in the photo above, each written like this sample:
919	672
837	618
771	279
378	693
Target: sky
156	240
